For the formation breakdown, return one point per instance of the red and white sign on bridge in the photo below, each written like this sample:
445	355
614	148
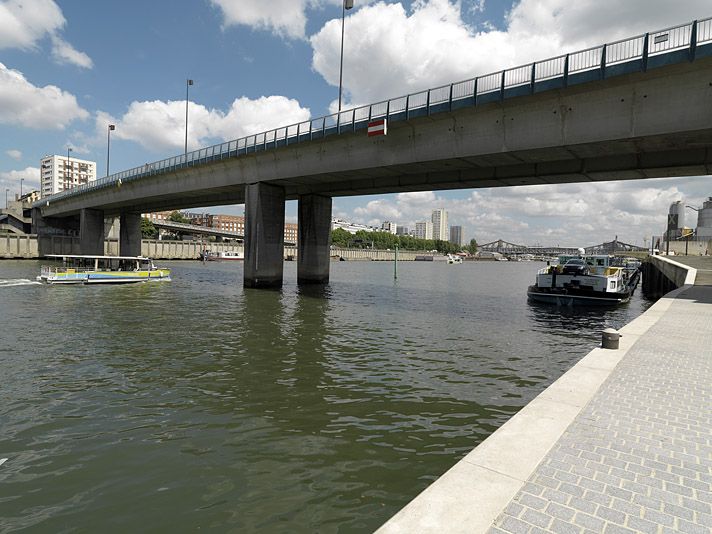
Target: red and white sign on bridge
379	127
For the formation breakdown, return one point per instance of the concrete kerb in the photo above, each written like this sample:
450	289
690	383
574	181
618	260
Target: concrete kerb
475	491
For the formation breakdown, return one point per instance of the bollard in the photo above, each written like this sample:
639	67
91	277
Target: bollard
610	338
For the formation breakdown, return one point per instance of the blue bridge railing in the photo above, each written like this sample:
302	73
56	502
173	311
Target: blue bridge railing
680	43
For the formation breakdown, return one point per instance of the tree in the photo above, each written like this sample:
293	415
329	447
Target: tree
472	247
148	230
178	217
340	237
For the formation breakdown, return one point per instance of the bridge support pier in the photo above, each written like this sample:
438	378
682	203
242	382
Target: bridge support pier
130	234
91	232
314	239
264	235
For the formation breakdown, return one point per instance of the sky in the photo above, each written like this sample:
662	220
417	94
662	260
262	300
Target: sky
70	68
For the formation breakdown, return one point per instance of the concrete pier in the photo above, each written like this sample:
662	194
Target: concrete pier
130	234
314	239
621	443
264	235
91	232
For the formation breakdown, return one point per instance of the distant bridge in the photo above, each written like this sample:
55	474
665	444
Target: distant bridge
511	249
197	229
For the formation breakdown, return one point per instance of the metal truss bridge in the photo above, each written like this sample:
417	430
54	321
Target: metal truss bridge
512	249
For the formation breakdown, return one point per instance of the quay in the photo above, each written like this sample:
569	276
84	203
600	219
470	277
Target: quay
28	247
621	443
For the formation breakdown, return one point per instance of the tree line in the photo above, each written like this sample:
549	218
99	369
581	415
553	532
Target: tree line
387	240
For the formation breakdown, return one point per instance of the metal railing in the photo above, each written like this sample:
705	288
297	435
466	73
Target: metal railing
541	75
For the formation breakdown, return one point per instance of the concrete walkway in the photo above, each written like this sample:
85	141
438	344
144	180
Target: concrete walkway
621	443
638	458
703	266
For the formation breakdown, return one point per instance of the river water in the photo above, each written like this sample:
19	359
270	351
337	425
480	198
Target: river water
197	404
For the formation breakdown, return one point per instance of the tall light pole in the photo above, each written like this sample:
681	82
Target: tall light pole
6	192
188	83
110	129
67	165
347	4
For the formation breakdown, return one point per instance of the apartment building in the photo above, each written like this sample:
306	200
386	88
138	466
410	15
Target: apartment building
60	173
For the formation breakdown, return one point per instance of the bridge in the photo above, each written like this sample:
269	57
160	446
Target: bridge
511	249
636	108
197	229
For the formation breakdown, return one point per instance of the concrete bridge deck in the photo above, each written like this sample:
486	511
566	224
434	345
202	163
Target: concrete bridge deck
621	443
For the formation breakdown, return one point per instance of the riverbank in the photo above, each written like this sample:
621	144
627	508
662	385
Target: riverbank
26	247
619	441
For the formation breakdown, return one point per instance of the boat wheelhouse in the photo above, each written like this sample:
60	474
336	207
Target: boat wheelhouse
80	269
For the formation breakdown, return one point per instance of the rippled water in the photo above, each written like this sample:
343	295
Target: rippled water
197	404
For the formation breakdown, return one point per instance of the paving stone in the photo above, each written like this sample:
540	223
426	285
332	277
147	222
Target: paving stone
589	522
562	527
538	519
691	528
642	525
583	505
617	529
514	509
531	501
560	512
659	518
678	511
556	496
609	514
513	526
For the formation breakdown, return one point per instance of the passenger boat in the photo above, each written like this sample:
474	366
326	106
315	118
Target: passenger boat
222	256
77	269
585	281
454	258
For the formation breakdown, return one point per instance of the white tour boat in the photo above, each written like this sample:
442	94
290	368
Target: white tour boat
224	256
79	269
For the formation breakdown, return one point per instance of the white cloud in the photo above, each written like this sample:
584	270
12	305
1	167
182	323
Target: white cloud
283	17
379	210
567	214
45	107
63	53
11	180
160	126
390	51
14	154
23	23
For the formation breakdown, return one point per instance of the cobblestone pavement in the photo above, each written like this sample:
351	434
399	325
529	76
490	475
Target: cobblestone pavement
638	458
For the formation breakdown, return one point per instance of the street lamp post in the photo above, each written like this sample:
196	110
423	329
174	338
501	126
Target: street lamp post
6	192
347	4
188	83
66	167
110	129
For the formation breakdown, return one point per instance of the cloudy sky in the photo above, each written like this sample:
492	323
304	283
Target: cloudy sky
68	68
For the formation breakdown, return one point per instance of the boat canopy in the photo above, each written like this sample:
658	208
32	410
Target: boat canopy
87	257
